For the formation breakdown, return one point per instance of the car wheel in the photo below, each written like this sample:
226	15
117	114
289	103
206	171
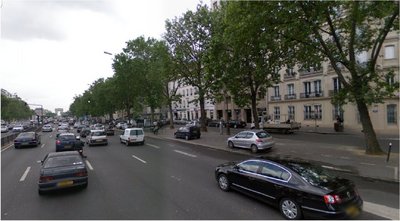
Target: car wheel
254	148
41	192
187	137
231	145
223	182
290	209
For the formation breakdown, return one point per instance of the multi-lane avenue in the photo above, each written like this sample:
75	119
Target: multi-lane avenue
159	180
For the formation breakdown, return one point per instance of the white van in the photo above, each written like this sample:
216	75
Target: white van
132	135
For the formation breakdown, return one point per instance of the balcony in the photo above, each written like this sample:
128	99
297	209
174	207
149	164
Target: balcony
310	72
312	94
276	98
290	96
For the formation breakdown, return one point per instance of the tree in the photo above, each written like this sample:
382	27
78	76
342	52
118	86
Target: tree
14	109
188	38
339	32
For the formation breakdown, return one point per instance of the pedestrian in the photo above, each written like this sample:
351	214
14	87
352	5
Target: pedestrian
221	125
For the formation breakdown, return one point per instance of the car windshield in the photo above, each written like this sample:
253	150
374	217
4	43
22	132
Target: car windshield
313	174
98	133
67	137
24	135
136	132
62	161
263	134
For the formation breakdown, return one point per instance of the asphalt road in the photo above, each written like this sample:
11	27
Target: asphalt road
160	180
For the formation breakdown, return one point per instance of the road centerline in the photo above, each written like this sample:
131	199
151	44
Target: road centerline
138	159
42	145
184	153
25	174
152	145
89	165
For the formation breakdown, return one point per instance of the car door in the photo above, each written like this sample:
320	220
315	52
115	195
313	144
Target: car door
248	139
243	176
272	181
239	139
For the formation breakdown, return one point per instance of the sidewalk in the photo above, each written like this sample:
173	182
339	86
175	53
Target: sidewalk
350	159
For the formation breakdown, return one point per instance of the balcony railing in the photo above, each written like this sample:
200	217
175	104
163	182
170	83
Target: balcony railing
312	94
290	96
276	98
310	72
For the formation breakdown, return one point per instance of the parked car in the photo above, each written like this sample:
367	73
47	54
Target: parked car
62	170
85	132
237	124
18	128
252	139
47	128
132	135
188	132
4	128
297	187
27	139
68	142
215	123
97	137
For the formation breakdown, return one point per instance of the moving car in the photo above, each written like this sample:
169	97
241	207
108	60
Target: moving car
68	142
63	129
84	132
62	170
4	128
132	135
110	130
252	139
297	187
18	128
97	137
27	139
47	128
188	132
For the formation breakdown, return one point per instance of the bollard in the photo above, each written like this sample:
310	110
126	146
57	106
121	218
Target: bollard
390	149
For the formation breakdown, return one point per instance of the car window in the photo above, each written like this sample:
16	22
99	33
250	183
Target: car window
62	161
250	166
25	135
271	170
136	132
67	137
314	175
98	133
263	134
249	135
241	135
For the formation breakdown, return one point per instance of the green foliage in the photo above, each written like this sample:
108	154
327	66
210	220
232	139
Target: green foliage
13	109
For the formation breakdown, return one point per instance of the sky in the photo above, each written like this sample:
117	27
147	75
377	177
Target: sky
52	50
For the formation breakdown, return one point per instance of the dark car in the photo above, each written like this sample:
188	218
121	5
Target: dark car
297	187
110	130
62	170
84	132
215	123
68	142
79	128
27	139
237	124
188	132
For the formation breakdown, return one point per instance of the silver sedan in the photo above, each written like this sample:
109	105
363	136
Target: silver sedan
252	139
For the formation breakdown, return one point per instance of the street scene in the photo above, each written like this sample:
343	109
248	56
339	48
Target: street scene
188	110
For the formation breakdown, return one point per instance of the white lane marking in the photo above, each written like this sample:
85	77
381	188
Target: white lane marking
184	153
176	178
152	145
369	164
137	158
6	148
89	165
42	146
381	210
25	174
335	168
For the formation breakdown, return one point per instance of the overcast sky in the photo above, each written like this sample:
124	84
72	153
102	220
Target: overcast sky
51	50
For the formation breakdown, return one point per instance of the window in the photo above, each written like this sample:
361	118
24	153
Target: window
290	88
336	85
250	166
318	111
291	112
307	112
389	52
307	88
317	87
276	91
390	79
392	114
277	113
337	111
274	171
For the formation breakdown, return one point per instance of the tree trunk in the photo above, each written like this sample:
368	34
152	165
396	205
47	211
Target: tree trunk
171	119
372	144
254	110
203	114
152	114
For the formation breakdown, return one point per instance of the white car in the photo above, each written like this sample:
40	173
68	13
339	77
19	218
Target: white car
97	137
4	128
18	128
132	135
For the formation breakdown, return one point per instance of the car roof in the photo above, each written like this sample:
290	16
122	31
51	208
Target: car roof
63	153
96	130
66	134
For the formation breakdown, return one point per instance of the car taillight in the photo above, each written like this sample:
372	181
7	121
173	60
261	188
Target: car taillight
259	140
44	179
81	174
332	199
58	142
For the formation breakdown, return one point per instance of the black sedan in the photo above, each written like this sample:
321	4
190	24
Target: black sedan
62	170
27	139
68	142
188	132
297	187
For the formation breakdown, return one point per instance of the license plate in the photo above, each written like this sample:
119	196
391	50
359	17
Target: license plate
352	211
67	146
65	183
25	143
